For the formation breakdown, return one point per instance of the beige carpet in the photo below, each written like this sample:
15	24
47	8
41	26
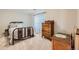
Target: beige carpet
35	43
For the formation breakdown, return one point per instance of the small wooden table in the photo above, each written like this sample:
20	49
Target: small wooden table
61	43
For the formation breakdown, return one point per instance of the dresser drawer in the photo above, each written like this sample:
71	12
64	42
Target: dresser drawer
47	33
46	25
46	30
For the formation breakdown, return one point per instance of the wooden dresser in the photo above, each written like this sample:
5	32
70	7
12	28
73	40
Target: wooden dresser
48	29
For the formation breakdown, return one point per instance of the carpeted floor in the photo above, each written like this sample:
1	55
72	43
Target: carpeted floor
35	43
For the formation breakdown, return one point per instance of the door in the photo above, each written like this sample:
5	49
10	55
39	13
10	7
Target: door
38	20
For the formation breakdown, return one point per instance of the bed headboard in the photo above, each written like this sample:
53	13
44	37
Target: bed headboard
15	24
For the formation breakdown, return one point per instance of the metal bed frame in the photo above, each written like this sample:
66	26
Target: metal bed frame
20	37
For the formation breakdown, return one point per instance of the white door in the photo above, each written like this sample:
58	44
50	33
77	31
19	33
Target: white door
38	20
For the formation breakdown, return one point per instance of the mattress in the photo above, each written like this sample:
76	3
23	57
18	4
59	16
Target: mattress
60	35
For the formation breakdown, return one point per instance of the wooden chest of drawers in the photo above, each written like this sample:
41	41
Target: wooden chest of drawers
48	29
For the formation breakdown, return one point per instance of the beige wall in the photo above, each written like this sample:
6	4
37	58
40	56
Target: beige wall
77	19
12	15
65	20
77	36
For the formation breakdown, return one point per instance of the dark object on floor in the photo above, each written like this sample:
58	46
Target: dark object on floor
6	33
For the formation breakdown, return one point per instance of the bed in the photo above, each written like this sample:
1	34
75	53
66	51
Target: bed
19	32
61	41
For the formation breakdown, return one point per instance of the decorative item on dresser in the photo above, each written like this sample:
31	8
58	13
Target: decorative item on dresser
48	29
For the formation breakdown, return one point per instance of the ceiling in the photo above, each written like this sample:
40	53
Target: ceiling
27	11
